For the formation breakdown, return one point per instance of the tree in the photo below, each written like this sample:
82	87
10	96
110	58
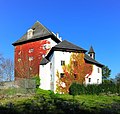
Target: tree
1	70
117	78
75	71
6	69
106	72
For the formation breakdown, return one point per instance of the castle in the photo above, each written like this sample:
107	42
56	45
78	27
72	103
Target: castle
40	52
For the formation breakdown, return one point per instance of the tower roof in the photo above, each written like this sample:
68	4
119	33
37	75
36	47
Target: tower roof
39	32
91	50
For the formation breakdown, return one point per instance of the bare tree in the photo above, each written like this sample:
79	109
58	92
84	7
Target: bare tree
6	69
1	71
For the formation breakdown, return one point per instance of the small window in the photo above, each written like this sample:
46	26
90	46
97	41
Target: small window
61	75
30	68
62	63
51	77
30	58
30	33
43	55
31	50
90	55
19	52
45	47
89	79
75	76
75	63
98	70
50	65
19	59
97	81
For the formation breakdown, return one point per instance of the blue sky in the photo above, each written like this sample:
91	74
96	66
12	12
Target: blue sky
82	22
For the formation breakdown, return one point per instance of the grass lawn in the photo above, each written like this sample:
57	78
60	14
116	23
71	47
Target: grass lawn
47	102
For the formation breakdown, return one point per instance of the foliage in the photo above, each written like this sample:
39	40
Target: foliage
106	72
75	71
117	78
48	103
74	89
78	89
28	57
37	81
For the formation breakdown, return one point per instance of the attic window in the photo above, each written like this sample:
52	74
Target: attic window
30	33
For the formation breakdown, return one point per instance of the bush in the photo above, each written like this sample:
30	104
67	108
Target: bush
74	89
78	89
37	81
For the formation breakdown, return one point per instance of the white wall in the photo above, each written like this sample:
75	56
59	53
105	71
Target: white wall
58	56
48	75
96	77
45	72
45	76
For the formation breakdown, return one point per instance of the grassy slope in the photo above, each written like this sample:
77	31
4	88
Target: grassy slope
47	102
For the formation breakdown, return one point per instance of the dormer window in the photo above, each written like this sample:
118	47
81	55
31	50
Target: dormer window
29	33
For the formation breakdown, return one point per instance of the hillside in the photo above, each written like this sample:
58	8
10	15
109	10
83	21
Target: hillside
46	102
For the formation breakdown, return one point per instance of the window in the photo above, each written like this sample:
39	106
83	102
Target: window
43	55
75	63
97	81
19	59
62	63
30	68
90	55
61	75
46	46
51	77
31	50
89	79
30	33
75	76
19	52
98	70
30	58
50	65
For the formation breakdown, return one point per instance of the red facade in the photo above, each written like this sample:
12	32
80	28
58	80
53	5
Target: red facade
28	57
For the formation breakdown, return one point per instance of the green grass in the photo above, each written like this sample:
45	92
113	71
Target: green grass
48	102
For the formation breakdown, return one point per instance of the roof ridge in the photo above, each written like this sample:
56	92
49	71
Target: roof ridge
68	45
43	26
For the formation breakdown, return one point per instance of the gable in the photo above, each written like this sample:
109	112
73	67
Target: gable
40	32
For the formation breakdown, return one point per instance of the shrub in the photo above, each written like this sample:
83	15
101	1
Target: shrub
74	89
78	89
37	81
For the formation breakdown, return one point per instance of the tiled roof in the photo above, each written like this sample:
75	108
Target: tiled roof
89	59
67	46
40	31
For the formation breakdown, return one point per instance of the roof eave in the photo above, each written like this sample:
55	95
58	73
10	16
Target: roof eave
98	64
68	50
36	39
